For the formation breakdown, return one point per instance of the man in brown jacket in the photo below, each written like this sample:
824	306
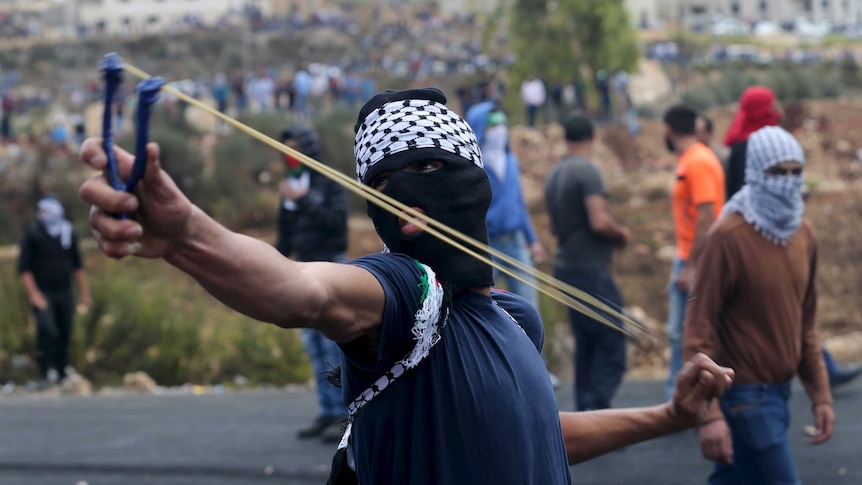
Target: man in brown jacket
753	309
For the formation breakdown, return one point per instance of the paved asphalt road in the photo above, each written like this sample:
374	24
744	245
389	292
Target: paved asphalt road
233	439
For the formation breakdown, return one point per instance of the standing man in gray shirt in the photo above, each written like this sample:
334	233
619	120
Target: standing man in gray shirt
577	203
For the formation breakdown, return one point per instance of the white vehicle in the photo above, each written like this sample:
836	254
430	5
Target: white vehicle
728	26
765	28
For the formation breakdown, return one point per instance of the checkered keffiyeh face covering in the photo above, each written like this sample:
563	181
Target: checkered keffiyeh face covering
771	203
410	124
396	129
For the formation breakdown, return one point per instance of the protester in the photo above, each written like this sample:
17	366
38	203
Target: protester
534	96
698	196
476	408
577	203
312	226
48	261
753	308
758	107
510	229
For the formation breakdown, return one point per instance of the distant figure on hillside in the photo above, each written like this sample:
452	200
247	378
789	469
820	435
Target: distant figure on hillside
534	96
577	203
237	87
48	261
603	86
312	226
262	89
221	92
6	117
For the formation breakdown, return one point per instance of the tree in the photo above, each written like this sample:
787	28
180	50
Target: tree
562	39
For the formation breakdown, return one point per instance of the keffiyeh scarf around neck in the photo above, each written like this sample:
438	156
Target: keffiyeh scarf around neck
773	204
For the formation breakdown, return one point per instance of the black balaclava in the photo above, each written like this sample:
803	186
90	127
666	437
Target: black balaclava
398	128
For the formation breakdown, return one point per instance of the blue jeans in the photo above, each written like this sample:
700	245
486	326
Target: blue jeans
324	355
675	319
600	351
514	245
758	419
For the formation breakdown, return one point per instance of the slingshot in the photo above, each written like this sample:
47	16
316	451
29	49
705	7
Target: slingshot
148	94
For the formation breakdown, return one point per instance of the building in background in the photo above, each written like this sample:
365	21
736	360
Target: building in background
836	12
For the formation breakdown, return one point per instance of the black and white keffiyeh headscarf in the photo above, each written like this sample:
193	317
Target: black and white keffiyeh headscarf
396	129
51	215
773	204
406	123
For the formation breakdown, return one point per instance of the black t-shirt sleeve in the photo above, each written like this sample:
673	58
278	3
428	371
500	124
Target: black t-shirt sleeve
591	181
402	280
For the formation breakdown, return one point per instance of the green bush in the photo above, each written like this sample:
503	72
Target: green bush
791	84
15	328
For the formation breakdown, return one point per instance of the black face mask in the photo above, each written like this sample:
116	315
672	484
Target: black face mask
668	142
457	195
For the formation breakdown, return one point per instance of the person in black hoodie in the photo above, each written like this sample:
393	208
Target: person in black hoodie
312	226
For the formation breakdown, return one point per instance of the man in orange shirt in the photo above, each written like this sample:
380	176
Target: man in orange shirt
698	197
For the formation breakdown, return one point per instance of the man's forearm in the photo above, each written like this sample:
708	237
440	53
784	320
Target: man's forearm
83	284
244	273
594	433
609	228
29	283
704	222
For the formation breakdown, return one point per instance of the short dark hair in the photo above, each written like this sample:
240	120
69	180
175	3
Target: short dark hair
578	127
707	123
681	119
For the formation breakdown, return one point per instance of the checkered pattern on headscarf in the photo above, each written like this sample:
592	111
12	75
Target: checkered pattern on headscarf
768	147
771	203
412	124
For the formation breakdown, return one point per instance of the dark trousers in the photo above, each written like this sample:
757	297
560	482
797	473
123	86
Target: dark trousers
600	351
53	331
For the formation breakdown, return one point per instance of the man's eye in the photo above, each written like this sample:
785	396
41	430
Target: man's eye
379	182
424	167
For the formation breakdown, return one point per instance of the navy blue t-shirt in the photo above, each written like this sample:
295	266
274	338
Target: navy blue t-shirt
479	409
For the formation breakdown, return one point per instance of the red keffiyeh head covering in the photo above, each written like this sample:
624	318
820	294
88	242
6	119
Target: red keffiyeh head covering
756	110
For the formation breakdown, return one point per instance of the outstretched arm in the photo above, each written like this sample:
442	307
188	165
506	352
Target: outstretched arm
594	433
344	302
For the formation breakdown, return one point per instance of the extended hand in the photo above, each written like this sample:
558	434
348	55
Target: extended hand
699	382
158	211
38	301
